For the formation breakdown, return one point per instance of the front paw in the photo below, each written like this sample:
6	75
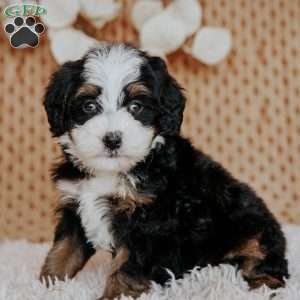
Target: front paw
47	279
120	283
109	297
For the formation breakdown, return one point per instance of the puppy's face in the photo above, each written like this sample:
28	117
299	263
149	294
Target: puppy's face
107	108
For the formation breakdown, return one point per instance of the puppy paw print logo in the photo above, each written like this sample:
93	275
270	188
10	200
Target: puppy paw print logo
24	32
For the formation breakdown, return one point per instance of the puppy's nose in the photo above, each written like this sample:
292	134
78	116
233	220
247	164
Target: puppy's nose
113	140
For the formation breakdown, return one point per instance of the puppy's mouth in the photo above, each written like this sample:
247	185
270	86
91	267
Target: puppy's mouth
113	154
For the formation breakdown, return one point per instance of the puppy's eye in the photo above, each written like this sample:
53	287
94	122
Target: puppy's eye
89	107
135	107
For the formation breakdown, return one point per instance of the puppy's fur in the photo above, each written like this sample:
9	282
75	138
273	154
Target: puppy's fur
130	184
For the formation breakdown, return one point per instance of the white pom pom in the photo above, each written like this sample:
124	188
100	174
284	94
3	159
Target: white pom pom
60	13
69	44
162	34
189	12
143	10
211	45
100	11
166	31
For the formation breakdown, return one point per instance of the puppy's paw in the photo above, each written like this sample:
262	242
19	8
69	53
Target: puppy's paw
47	279
109	297
264	279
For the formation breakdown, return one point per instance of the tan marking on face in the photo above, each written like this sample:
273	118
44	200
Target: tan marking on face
136	89
88	89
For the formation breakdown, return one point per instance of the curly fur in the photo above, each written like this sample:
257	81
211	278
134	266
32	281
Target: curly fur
194	214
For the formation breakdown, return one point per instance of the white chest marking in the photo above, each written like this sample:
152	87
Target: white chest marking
94	208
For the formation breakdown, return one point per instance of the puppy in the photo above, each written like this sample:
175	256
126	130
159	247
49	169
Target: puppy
131	185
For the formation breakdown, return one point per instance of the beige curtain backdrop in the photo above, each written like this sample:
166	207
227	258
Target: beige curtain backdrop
244	112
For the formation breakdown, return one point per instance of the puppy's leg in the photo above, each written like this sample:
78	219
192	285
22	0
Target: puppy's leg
120	283
260	261
255	237
273	268
260	272
70	250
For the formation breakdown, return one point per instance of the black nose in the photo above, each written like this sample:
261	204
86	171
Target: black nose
113	140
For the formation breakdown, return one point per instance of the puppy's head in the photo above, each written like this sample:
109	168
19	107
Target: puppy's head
107	108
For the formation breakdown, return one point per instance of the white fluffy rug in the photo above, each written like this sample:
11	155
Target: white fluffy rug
20	263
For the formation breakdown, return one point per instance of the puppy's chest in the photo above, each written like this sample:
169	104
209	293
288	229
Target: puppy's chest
99	198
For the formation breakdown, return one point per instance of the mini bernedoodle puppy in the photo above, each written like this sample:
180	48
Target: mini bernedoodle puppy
131	185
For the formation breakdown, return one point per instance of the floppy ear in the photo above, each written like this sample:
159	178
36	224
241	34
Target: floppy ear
60	89
171	99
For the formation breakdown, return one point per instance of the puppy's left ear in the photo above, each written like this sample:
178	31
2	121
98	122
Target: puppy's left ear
171	99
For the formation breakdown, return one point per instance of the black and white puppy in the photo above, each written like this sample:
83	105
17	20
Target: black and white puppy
131	185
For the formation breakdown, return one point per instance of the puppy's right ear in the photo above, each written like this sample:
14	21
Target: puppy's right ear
61	88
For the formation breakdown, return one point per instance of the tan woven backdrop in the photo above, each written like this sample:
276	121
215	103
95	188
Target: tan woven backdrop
245	112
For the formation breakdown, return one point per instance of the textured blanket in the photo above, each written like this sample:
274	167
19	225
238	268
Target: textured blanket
20	263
